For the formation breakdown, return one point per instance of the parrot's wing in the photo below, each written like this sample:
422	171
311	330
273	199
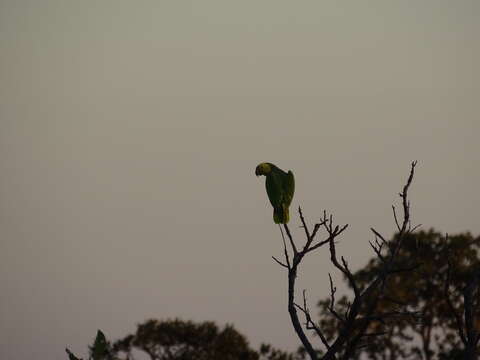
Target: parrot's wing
289	188
274	187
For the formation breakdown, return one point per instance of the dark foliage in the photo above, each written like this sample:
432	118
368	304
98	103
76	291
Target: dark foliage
185	340
435	334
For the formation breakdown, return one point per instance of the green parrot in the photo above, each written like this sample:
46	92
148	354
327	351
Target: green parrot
280	188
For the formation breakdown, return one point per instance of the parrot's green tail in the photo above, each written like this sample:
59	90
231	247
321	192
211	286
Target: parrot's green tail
281	215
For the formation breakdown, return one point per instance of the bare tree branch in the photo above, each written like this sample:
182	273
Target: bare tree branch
292	275
289	235
279	262
362	311
396	219
331	306
310	324
285	251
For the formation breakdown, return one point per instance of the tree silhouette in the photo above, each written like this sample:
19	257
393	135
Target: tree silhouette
185	340
182	340
446	265
100	350
468	325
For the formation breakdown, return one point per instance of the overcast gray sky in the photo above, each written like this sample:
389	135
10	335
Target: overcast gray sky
130	131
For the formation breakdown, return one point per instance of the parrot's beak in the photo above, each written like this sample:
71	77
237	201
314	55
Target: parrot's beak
257	171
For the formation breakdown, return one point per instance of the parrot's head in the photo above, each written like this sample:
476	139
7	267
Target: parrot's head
263	169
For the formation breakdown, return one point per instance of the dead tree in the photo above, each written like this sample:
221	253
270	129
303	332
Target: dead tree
363	311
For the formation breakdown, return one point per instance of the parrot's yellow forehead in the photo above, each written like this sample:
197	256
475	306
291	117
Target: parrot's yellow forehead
263	169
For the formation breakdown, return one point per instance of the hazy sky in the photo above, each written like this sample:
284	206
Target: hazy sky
130	131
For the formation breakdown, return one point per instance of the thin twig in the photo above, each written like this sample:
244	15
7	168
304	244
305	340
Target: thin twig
287	258
279	262
395	217
289	234
310	324
331	306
